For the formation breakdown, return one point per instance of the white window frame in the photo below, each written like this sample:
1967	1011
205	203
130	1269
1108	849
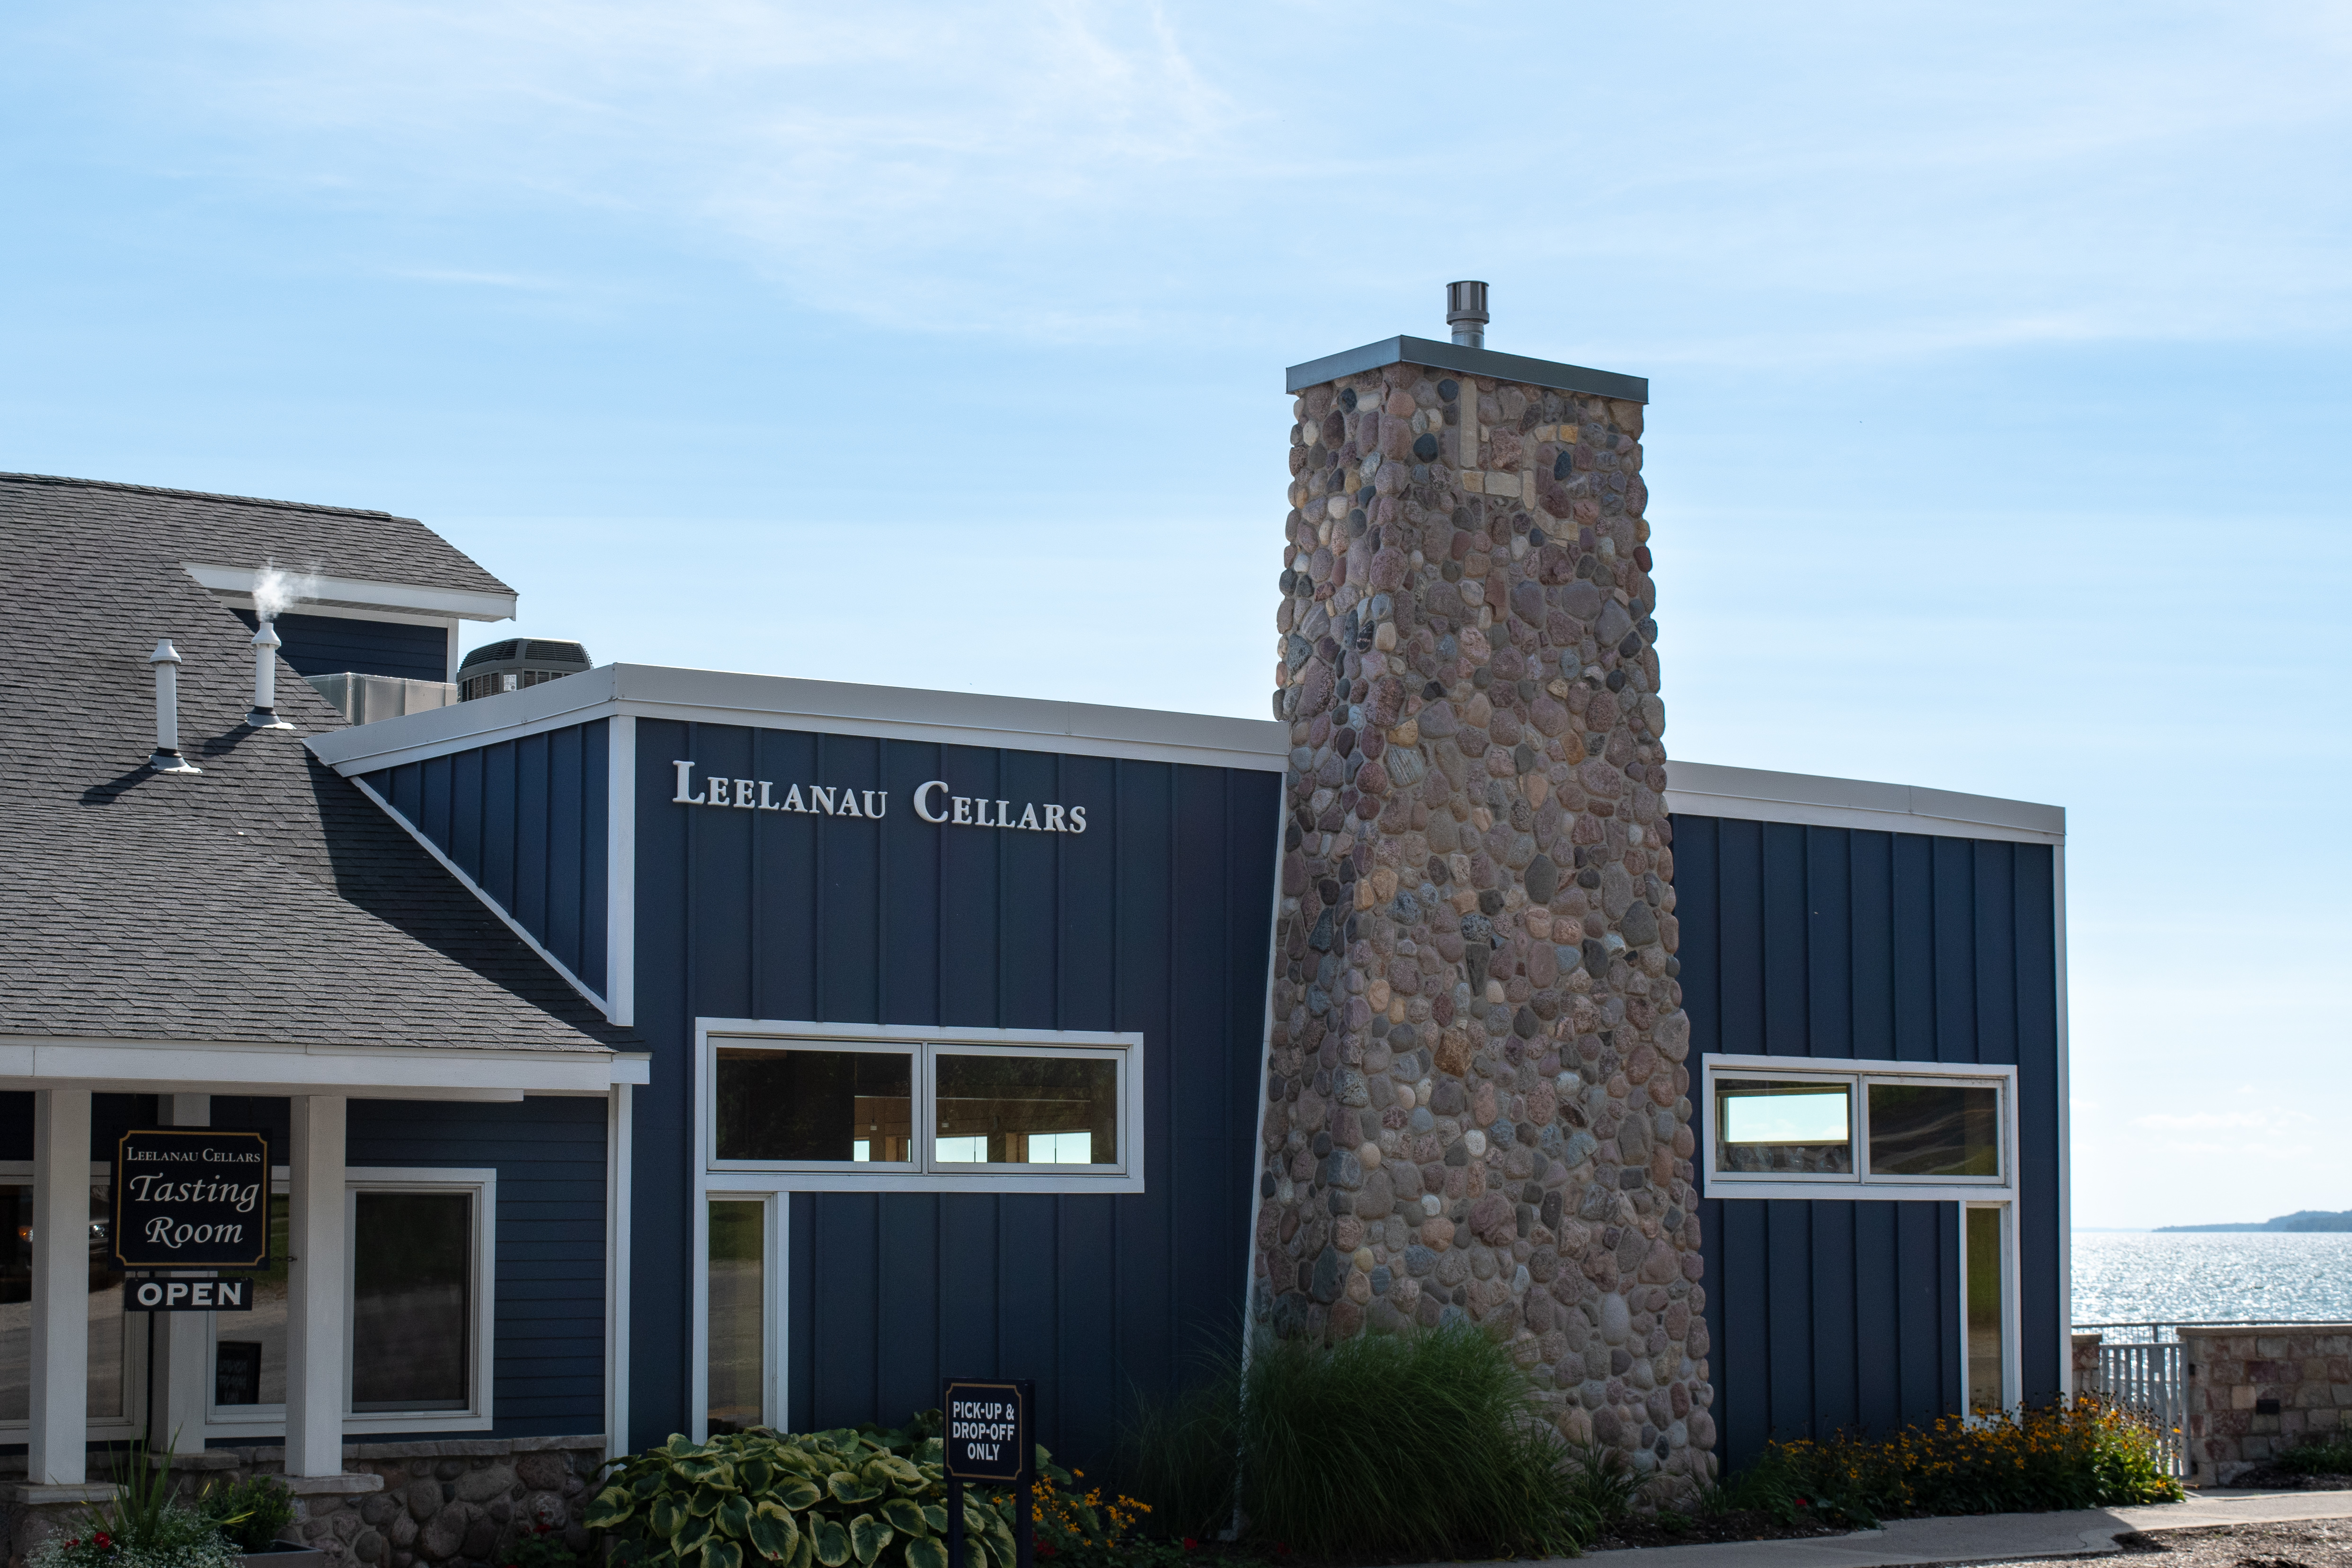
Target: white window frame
132	1422
1858	1185
482	1185
923	1173
774	1182
2012	1376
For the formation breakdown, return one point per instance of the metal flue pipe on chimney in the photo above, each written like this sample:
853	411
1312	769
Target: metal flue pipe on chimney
1465	312
166	758
264	713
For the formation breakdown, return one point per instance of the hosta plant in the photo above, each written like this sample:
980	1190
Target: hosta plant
820	1499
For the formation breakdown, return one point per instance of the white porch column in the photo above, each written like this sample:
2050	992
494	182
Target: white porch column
175	1416
315	1288
60	1369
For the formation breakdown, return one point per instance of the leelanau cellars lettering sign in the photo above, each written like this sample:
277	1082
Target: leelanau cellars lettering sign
192	1198
935	802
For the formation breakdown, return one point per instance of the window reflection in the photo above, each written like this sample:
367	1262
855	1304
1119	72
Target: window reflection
109	1344
412	1300
810	1105
249	1348
738	1285
1787	1125
1026	1110
1987	1349
1934	1129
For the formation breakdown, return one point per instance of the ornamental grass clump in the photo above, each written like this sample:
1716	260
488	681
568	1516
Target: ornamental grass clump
2088	1454
2314	1457
1426	1444
822	1498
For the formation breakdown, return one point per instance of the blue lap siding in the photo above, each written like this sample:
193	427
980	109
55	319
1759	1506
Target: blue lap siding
1157	920
527	821
331	644
548	1356
1844	943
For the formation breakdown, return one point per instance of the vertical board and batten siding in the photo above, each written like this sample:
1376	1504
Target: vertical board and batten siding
526	819
546	1359
332	644
1156	920
1810	942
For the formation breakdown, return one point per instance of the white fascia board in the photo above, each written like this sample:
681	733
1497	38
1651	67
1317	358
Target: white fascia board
467	603
827	707
1757	794
391	1072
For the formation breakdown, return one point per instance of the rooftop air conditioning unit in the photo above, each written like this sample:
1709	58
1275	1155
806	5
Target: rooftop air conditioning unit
517	663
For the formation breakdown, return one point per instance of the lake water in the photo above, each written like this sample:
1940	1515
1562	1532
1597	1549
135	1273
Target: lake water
2141	1277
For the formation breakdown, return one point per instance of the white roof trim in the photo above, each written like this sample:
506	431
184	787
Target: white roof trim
386	1072
1757	795
829	707
465	603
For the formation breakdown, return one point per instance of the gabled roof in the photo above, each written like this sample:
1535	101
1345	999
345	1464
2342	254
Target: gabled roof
239	530
265	901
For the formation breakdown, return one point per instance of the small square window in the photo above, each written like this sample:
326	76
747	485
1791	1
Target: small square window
1786	1126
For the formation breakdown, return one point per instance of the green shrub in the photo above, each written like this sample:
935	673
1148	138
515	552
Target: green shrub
2085	1455
826	1499
1424	1443
2315	1457
1183	1455
251	1512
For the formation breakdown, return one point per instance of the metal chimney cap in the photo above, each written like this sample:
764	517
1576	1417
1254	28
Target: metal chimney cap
166	653
266	635
1465	312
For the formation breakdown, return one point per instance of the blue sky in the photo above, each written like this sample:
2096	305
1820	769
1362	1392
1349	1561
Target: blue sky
1998	355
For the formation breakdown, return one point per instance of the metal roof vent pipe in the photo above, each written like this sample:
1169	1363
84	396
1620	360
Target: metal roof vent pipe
1465	312
167	758
264	713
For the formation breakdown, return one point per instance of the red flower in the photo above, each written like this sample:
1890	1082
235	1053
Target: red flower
74	1542
1804	1502
102	1540
1190	1544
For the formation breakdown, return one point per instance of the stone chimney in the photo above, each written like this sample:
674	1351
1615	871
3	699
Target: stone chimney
1478	1105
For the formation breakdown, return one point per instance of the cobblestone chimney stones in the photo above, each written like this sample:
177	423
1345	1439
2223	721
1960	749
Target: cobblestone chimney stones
1477	1095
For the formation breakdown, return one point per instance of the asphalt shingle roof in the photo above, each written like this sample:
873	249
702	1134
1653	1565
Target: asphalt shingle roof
239	530
267	900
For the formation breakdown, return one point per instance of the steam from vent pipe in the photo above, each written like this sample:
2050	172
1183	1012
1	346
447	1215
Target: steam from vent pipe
166	758
274	590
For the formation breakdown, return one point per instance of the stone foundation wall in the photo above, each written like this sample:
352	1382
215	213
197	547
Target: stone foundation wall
455	1504
1476	1103
2254	1392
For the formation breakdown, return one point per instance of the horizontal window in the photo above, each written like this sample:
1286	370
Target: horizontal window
946	1108
1777	1123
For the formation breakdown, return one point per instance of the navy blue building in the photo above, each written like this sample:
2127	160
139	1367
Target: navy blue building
1889	963
718	1049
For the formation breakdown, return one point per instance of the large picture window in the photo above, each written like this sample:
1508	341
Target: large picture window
1799	1127
417	1310
851	1107
116	1339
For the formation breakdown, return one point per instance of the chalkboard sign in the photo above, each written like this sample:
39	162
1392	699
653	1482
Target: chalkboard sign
987	1436
192	1198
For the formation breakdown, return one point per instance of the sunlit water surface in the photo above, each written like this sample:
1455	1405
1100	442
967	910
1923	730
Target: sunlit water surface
2144	1277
